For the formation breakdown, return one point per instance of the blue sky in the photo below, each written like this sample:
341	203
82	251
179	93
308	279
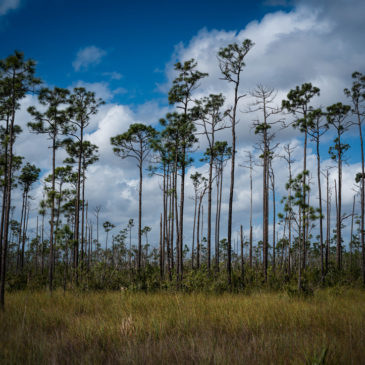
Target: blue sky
125	51
138	37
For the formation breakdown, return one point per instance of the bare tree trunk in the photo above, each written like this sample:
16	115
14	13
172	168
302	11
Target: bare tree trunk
328	228
198	234
83	219
176	215
362	205
305	218
26	215
300	252
231	188
161	248
193	243
210	178
216	238
181	224
265	201
164	222
77	209
4	204
352	230
274	219
140	217
250	252
338	243
242	260
42	241
8	185
339	206
320	209
20	235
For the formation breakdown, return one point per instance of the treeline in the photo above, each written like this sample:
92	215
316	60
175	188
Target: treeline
65	249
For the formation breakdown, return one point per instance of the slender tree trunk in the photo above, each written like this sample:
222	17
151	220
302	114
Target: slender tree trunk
8	185
140	215
20	234
290	217
242	260
194	224
320	208
83	218
300	241
250	250
51	235
198	233
352	230
170	251
362	201
202	225
210	181
339	206
42	241
164	222
265	202
338	246
161	248
305	218
4	204
328	228
77	208
231	188
216	238
24	235
181	224
274	222
177	245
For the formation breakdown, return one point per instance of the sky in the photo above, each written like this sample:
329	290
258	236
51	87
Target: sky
125	51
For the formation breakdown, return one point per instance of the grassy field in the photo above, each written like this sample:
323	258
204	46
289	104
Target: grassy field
167	328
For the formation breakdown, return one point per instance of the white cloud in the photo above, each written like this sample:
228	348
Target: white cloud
88	56
312	43
7	5
113	75
101	89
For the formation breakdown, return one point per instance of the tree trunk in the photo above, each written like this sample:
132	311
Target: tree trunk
250	249
26	216
194	224
339	206
242	260
304	214
328	228
352	230
181	224
274	222
8	185
320	208
210	181
139	258
362	201
231	189
20	235
197	234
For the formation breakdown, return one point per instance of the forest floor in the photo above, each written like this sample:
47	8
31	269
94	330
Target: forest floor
168	328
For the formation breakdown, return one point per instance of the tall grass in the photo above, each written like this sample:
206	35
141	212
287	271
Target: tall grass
166	328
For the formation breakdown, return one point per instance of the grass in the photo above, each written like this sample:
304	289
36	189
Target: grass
167	328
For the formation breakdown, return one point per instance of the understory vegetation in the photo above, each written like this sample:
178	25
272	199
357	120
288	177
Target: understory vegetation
259	327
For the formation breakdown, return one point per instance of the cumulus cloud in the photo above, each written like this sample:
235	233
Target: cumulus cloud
88	56
101	89
7	5
316	42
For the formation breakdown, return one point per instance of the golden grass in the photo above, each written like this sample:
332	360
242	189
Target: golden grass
166	328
